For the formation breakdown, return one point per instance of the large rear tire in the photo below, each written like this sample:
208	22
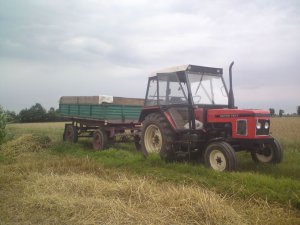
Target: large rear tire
100	139
220	156
70	133
158	136
270	153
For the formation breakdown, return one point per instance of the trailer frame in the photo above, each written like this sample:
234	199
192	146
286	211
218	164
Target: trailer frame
101	131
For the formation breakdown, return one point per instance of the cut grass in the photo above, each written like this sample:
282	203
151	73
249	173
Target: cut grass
262	194
40	188
282	189
52	130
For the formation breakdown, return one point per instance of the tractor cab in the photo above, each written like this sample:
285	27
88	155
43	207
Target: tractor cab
188	84
181	90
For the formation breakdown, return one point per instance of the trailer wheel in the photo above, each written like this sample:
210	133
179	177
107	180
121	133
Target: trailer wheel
157	136
70	133
99	139
270	153
220	156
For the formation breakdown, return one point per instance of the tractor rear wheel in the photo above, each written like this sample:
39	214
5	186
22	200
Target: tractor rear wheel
269	153
220	156
70	133
99	139
158	136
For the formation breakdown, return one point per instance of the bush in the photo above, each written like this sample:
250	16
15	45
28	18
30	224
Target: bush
2	124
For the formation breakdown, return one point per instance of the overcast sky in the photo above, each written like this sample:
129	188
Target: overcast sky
50	48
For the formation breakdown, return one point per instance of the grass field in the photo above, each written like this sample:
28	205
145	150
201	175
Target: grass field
46	181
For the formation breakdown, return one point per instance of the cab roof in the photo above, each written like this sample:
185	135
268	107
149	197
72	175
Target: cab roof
190	68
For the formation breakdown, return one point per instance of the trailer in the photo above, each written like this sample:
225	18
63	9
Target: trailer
102	118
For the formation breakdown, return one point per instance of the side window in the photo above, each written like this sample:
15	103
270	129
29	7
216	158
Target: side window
152	93
177	93
172	90
163	92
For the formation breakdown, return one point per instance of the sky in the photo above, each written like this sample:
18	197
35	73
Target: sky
51	48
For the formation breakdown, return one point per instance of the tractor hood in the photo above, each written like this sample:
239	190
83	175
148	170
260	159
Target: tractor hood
245	123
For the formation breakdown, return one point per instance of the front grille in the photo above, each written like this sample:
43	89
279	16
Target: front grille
263	130
241	127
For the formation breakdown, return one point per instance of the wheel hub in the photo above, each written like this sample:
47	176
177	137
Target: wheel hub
153	138
217	160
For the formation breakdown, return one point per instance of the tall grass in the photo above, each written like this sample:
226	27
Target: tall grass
287	130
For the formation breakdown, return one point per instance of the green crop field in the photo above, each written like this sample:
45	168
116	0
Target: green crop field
46	181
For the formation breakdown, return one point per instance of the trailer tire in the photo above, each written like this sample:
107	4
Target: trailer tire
220	156
272	153
100	139
70	134
158	136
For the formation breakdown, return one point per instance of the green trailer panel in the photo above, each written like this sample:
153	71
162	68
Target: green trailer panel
105	112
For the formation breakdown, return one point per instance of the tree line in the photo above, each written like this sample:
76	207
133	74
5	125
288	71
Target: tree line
281	112
36	113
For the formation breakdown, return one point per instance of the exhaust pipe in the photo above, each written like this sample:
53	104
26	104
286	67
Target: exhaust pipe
230	97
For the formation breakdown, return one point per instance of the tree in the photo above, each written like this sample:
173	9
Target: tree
298	110
36	113
272	111
52	115
281	111
11	116
2	125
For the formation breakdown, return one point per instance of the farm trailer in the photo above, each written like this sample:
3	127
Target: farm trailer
101	117
188	112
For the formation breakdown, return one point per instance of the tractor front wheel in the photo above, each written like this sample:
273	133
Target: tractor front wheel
269	153
157	136
220	156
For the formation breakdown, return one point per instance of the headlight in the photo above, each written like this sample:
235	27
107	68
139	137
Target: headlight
258	125
267	125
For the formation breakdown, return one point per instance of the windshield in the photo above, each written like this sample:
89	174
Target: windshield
208	89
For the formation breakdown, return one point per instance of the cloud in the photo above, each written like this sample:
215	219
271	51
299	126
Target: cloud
92	46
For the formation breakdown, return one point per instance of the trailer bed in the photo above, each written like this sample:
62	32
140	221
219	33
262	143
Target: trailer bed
112	110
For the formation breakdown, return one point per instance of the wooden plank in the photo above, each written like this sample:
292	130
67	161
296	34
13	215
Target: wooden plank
94	100
128	101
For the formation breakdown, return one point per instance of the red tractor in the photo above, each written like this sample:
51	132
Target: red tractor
190	113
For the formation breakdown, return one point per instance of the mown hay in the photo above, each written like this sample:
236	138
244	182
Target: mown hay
46	189
24	144
88	199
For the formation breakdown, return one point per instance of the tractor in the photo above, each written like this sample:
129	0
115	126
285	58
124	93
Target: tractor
190	113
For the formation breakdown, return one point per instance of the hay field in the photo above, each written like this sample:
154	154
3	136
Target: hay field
287	130
44	181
